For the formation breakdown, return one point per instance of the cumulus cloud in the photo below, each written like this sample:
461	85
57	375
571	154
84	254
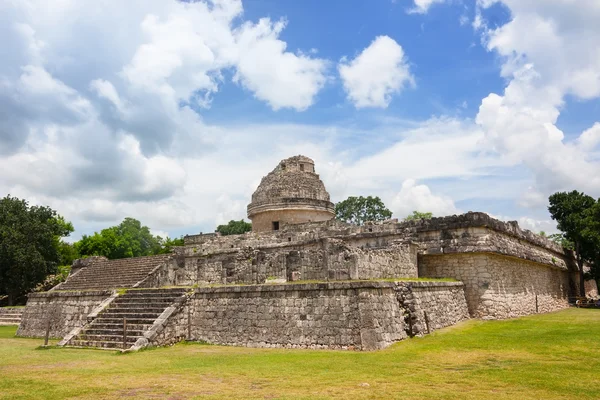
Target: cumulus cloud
114	129
280	78
550	50
547	226
422	6
418	197
380	71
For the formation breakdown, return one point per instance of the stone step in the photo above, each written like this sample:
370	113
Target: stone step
156	292
17	322
142	300
119	327
7	315
130	315
108	338
148	308
116	321
109	275
97	344
113	332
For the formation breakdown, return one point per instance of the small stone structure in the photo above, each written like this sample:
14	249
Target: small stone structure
10	315
290	194
313	282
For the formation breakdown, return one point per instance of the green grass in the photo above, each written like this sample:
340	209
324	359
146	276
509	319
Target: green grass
550	356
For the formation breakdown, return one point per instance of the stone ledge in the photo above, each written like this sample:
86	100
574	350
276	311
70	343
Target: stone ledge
56	293
289	287
483	220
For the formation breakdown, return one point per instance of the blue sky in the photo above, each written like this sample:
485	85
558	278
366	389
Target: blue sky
171	112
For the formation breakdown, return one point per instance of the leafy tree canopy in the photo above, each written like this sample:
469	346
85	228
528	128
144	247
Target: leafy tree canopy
234	228
358	210
419	215
561	240
128	239
30	242
578	217
166	245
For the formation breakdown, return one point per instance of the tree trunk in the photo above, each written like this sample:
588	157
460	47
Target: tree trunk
11	299
580	267
581	282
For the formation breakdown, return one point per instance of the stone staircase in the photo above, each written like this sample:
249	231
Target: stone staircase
140	308
11	315
110	274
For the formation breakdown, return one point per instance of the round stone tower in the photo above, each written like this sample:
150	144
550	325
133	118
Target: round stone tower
290	194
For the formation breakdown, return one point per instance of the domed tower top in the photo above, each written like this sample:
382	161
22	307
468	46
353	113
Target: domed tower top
290	194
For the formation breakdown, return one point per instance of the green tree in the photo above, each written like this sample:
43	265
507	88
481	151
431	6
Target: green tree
560	239
128	239
166	245
419	215
30	237
358	210
578	217
234	228
68	253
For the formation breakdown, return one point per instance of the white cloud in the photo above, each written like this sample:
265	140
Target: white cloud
414	197
111	128
102	137
422	6
533	198
550	49
282	79
590	138
376	74
547	226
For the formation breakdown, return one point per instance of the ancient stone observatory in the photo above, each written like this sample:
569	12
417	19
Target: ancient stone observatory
312	284
290	194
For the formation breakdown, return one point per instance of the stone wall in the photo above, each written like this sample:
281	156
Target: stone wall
591	289
486	240
323	260
10	315
341	315
65	310
396	261
348	315
431	306
499	287
263	222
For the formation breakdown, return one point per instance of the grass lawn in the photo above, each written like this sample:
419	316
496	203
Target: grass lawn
550	356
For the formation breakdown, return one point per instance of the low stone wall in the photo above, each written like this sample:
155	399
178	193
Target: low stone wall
591	288
64	310
344	315
498	287
322	260
432	305
10	315
340	315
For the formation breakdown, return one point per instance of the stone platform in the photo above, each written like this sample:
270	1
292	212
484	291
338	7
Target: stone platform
11	315
356	315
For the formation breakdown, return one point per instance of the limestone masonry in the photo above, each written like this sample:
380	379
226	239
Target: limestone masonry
302	279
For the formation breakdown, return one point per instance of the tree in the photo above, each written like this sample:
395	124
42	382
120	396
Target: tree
68	253
166	245
358	210
234	228
578	217
560	239
30	237
128	239
419	215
